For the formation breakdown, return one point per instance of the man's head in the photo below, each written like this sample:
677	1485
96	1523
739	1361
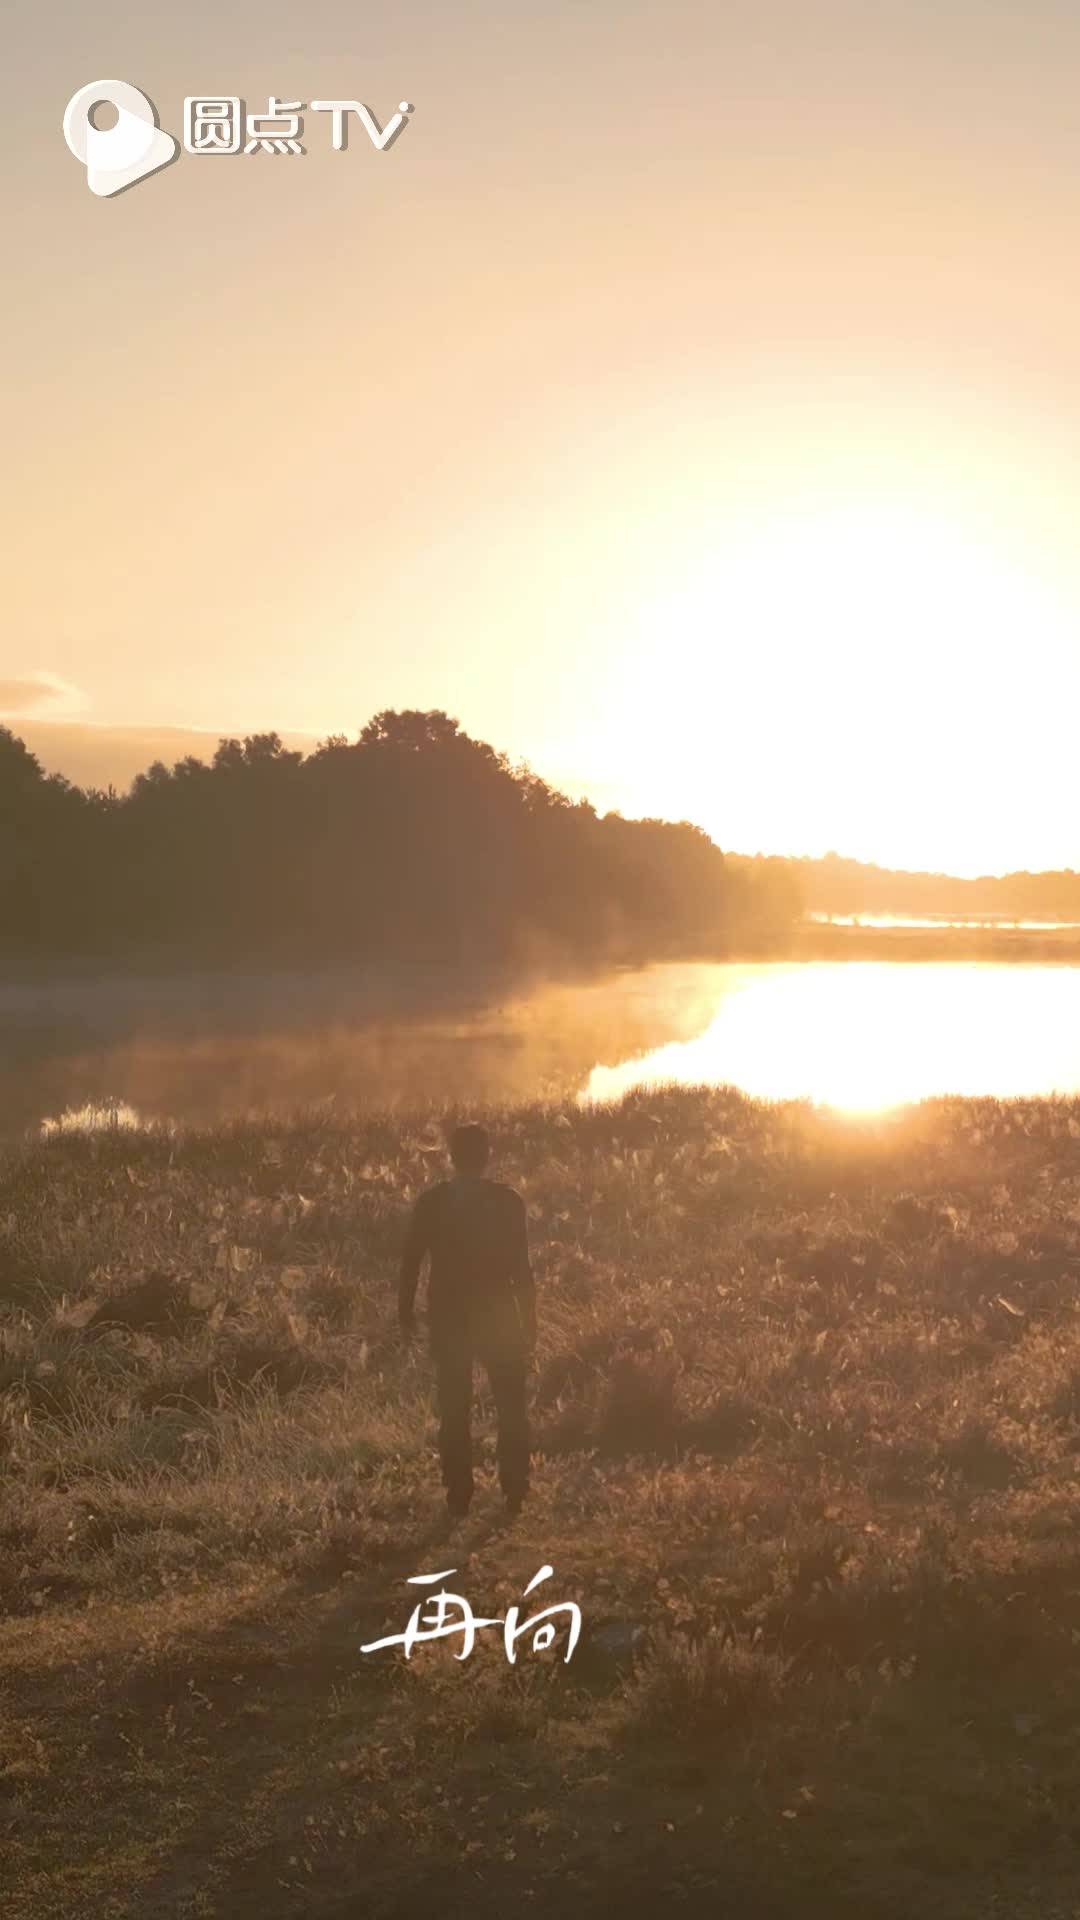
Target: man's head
469	1149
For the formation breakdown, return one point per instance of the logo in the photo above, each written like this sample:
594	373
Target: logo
214	124
116	158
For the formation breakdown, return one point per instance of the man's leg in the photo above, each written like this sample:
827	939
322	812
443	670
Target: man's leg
453	1387
507	1372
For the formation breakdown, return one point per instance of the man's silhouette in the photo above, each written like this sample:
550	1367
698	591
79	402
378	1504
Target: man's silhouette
481	1306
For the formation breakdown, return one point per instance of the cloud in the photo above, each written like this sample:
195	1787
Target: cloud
92	755
37	693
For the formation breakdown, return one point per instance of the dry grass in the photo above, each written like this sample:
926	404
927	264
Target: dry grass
807	1407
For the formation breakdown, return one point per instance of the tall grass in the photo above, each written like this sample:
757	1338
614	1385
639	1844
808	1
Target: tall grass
806	1411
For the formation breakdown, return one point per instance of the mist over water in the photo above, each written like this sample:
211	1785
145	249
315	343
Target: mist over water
205	1049
858	1035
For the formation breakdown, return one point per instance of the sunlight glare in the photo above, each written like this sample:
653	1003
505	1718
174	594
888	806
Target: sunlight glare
867	1036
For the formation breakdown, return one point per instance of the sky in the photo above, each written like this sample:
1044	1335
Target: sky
687	401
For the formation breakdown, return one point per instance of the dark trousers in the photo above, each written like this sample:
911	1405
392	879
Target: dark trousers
455	1351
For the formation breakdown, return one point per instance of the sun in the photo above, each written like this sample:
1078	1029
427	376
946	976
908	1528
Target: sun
851	669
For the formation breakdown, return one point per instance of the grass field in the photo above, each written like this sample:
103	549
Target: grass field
807	1416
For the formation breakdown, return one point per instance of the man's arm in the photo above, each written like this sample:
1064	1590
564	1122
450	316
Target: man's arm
521	1274
416	1245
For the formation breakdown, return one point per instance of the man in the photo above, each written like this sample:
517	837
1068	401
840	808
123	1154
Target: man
481	1306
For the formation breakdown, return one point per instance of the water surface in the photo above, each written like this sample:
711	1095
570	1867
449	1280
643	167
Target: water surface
869	1035
851	1034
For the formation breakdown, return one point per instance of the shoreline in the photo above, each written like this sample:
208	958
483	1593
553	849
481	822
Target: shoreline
808	943
1017	946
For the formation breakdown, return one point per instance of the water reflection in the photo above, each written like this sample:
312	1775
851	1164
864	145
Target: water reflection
852	1034
981	922
863	1035
205	1050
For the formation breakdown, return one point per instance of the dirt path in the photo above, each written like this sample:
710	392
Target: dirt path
211	1755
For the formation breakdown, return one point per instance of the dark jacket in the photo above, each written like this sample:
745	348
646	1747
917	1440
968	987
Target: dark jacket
475	1234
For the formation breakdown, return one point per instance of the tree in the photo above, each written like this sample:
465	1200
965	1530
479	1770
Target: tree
414	842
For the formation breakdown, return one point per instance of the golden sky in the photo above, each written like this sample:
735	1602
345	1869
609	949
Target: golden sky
688	401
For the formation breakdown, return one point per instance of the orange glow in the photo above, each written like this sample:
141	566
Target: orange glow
868	1036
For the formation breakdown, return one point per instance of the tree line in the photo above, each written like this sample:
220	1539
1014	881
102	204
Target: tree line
836	885
413	842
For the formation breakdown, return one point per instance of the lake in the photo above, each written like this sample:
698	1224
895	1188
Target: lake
855	1035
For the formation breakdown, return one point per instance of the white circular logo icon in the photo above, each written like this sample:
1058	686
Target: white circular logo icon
116	158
